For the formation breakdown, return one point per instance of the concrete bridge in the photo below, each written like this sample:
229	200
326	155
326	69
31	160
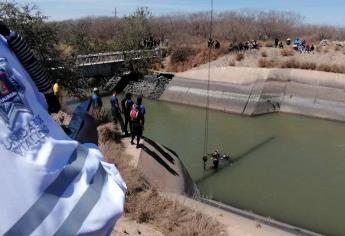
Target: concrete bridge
107	64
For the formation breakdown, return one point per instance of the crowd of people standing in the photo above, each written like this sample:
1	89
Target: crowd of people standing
299	45
133	114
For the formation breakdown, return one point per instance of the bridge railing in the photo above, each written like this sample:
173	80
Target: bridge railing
91	59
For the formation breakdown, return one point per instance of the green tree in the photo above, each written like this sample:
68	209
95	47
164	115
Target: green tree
42	38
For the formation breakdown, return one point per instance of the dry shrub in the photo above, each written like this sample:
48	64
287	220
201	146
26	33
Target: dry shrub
292	63
312	66
181	55
338	68
287	52
184	59
268	44
232	63
145	205
318	49
136	183
324	67
337	48
260	43
108	133
172	68
201	57
239	56
266	63
178	67
62	118
151	204
332	68
101	116
203	54
219	52
157	66
264	54
171	217
308	65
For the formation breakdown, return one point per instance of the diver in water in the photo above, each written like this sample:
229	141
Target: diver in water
204	159
226	157
215	159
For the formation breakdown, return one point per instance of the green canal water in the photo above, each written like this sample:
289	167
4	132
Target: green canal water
290	168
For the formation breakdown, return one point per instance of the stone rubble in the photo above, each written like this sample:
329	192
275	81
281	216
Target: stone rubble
152	86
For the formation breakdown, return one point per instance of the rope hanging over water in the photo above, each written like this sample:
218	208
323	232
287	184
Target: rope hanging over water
208	86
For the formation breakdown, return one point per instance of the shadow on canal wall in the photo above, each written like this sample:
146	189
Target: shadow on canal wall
163	169
257	91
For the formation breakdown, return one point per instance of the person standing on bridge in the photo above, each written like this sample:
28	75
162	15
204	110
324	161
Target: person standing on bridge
127	104
115	110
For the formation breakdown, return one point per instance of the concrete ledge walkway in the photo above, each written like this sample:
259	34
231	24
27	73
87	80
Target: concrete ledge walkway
241	223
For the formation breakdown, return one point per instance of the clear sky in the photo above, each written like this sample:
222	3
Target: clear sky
330	12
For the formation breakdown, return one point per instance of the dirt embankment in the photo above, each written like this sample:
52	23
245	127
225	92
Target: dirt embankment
328	58
269	57
155	202
147	212
151	209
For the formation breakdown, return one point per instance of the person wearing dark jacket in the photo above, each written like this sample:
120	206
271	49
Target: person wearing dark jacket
137	116
116	111
127	104
276	42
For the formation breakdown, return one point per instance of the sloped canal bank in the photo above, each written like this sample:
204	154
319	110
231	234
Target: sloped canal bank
290	168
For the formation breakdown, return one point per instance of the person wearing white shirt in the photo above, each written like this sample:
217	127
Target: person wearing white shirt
50	184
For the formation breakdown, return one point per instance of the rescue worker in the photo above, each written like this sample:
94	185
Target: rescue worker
96	100
137	116
215	159
57	90
127	104
115	111
204	159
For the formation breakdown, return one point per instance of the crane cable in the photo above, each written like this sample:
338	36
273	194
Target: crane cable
208	86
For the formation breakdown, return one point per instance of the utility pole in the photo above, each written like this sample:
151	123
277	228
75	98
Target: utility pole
115	17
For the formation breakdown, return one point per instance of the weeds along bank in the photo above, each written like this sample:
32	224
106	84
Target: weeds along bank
328	58
256	91
144	203
156	209
147	210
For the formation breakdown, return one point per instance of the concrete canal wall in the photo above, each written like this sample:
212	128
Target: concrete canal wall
256	91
